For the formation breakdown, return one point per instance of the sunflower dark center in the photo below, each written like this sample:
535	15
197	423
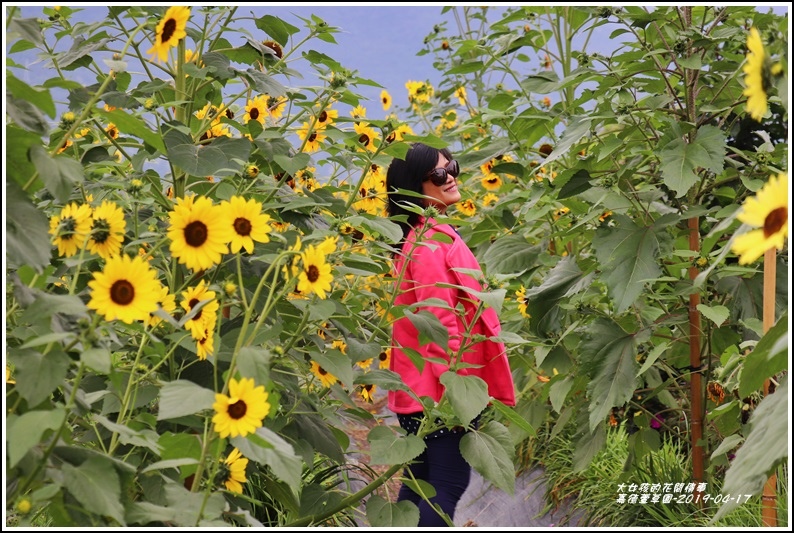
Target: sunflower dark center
775	220
390	138
493	180
122	292
254	113
364	139
312	137
192	303
323	117
168	30
313	273
100	230
196	234
242	226
363	192
229	113
383	356
321	370
237	409
67	227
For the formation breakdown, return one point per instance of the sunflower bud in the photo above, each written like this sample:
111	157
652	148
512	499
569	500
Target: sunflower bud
230	288
251	170
150	104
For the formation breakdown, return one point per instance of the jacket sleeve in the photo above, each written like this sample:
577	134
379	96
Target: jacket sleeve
428	267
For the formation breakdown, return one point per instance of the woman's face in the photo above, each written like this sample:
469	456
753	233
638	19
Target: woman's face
441	196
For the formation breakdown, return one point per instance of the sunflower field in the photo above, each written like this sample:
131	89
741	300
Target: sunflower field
198	260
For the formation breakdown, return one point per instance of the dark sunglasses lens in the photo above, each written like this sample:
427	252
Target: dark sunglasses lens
453	168
438	176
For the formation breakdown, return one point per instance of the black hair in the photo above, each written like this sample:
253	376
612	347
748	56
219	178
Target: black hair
409	174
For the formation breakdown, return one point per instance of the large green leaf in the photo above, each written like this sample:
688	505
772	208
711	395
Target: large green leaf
95	484
315	499
267	448
276	28
467	394
336	363
768	358
511	254
223	156
25	431
608	356
254	362
680	161
514	417
489	451
135	126
628	256
381	226
383	513
765	448
182	398
41	99
588	445
60	174
194	507
390	448
27	231
38	374
578	128
542	301
429	327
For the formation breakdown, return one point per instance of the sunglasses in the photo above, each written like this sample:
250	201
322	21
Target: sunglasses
439	175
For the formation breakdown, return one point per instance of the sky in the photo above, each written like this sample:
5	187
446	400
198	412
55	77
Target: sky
381	42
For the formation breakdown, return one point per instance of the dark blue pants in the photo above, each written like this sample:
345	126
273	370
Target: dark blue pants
442	466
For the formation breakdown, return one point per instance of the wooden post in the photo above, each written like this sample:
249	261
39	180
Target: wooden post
695	384
769	498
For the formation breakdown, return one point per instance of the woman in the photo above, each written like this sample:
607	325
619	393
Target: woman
432	259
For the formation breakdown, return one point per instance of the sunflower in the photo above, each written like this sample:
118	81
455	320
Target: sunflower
198	233
325	118
367	392
385	99
491	182
247	221
107	230
460	93
758	72
365	364
311	140
242	411
275	106
399	133
315	276
489	199
207	316
340	345
384	359
256	109
70	228
9	379
767	211
235	465
326	378
170	30
206	344
521	298
328	246
371	193
127	289
366	135
467	207
358	112
167	303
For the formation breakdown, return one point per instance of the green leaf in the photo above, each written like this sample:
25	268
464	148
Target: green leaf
268	448
768	358
95	484
18	164
276	28
541	83
47	304
25	115
511	254
681	160
429	327
25	431
265	84
390	448
765	448
135	126
489	451
97	359
465	68
384	227
336	363
37	374
21	90
383	378
182	397
60	174
514	417
29	29
608	356
717	313
223	156
628	255
577	184
194	507
254	362
467	394
587	446
316	499
559	391
579	127
542	301
27	231
144	513
383	513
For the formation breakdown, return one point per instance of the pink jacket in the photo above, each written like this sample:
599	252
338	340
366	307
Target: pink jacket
428	268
